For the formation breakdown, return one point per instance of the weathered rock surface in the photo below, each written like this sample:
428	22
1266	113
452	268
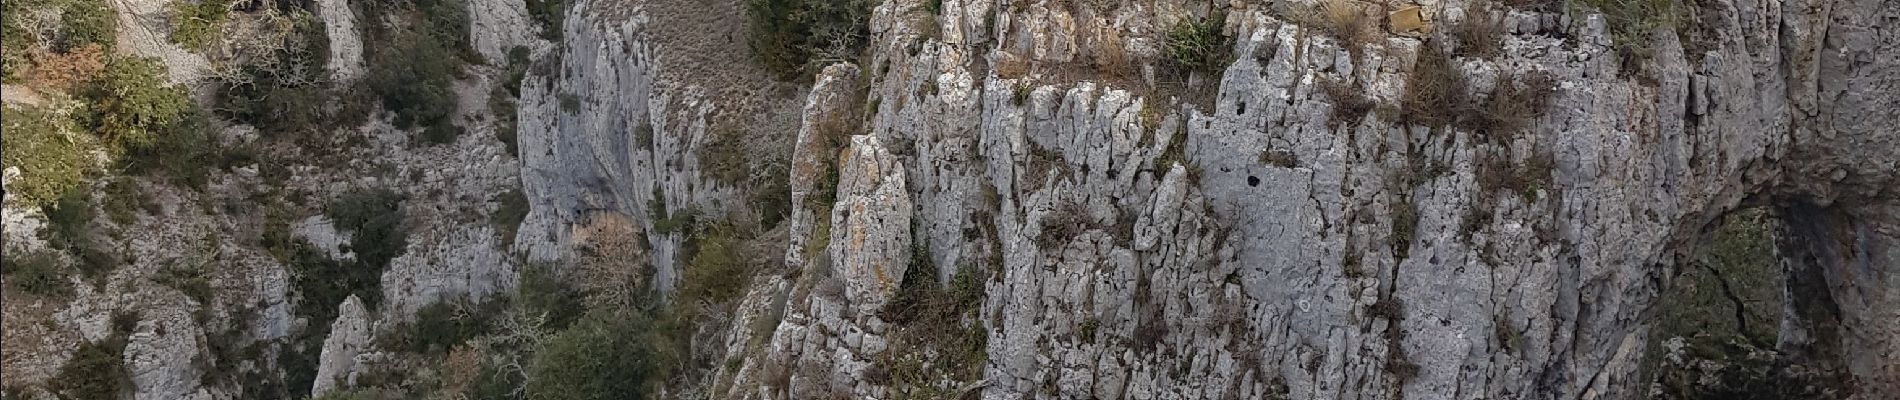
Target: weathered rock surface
349	336
1255	246
870	244
346	43
1141	232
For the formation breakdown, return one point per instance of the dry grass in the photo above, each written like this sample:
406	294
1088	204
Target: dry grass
1109	57
1515	102
1008	65
1062	225
1480	34
1350	103
1496	173
611	262
1436	93
1348	21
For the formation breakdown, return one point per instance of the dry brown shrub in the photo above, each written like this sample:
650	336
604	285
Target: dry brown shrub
1011	66
612	262
1480	34
1350	103
63	72
1348	21
1436	93
460	369
1109	57
1515	101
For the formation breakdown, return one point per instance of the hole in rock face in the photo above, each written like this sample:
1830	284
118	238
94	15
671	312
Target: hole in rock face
1241	109
1719	317
1253	181
1113	173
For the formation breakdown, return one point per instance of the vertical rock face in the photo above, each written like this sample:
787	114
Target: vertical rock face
349	335
497	26
1287	223
579	113
870	241
1252	231
346	45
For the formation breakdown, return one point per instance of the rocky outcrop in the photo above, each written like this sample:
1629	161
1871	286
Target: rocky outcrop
1245	233
1282	225
497	26
869	245
349	336
346	43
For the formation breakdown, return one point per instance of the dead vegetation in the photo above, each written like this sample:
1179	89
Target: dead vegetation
1350	103
1348	21
1063	224
1515	102
1436	91
1438	94
1480	34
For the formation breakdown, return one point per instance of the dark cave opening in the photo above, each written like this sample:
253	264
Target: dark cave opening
1741	317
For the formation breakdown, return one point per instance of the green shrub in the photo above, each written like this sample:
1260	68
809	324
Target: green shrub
374	218
415	75
503	105
643	135
134	105
87	22
187	279
185	155
791	37
1632	21
666	223
279	100
718	271
322	283
512	208
596	359
11	392
549	16
124	200
196	23
70	228
52	156
96	371
349	394
1196	46
443	325
416	83
542	293
37	273
1404	227
15	40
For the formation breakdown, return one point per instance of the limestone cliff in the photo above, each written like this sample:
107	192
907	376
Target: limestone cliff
1247	234
1035	199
